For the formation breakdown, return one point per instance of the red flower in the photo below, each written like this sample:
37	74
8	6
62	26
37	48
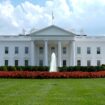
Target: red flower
33	74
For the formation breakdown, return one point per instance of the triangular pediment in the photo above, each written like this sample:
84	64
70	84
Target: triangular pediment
52	30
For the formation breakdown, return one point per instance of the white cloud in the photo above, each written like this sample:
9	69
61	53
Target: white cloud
90	15
86	14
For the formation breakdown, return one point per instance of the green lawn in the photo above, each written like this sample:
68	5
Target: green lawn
52	91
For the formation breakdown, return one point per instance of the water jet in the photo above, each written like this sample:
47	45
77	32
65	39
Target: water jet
53	64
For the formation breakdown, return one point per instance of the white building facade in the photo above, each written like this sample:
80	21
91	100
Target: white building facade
35	49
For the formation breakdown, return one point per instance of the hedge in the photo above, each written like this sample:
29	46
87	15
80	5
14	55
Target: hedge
46	68
24	68
82	68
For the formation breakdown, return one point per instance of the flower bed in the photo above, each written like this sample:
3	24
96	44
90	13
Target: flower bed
30	74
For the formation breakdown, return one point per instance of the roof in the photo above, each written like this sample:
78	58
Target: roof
52	30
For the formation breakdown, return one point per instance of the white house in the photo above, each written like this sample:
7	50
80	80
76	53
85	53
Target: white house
36	48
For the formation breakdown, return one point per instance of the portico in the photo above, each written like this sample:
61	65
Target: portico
42	50
53	39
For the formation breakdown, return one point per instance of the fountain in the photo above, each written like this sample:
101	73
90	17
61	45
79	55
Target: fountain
53	64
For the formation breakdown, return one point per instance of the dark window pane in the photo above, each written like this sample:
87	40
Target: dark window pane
16	62
64	62
16	50
6	50
41	63
26	50
6	62
52	49
88	50
64	50
98	62
88	63
78	50
78	62
98	50
26	62
41	50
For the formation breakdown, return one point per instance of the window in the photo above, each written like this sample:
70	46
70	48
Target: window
16	62
40	62
26	50
88	50
98	62
64	62
26	62
16	50
78	62
6	50
88	63
6	62
41	50
64	50
98	50
52	49
78	50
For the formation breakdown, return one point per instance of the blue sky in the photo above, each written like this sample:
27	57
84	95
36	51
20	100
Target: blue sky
86	16
38	2
17	2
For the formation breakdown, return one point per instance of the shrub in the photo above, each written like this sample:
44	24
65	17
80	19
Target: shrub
81	68
25	68
60	69
40	68
11	68
20	68
3	68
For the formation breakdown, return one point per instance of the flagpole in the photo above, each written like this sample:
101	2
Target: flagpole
52	18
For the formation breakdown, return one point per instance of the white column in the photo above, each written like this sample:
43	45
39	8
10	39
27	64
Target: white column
32	54
11	60
59	54
35	54
73	52
70	53
46	52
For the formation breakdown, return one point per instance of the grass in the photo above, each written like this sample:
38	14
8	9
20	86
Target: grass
52	91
